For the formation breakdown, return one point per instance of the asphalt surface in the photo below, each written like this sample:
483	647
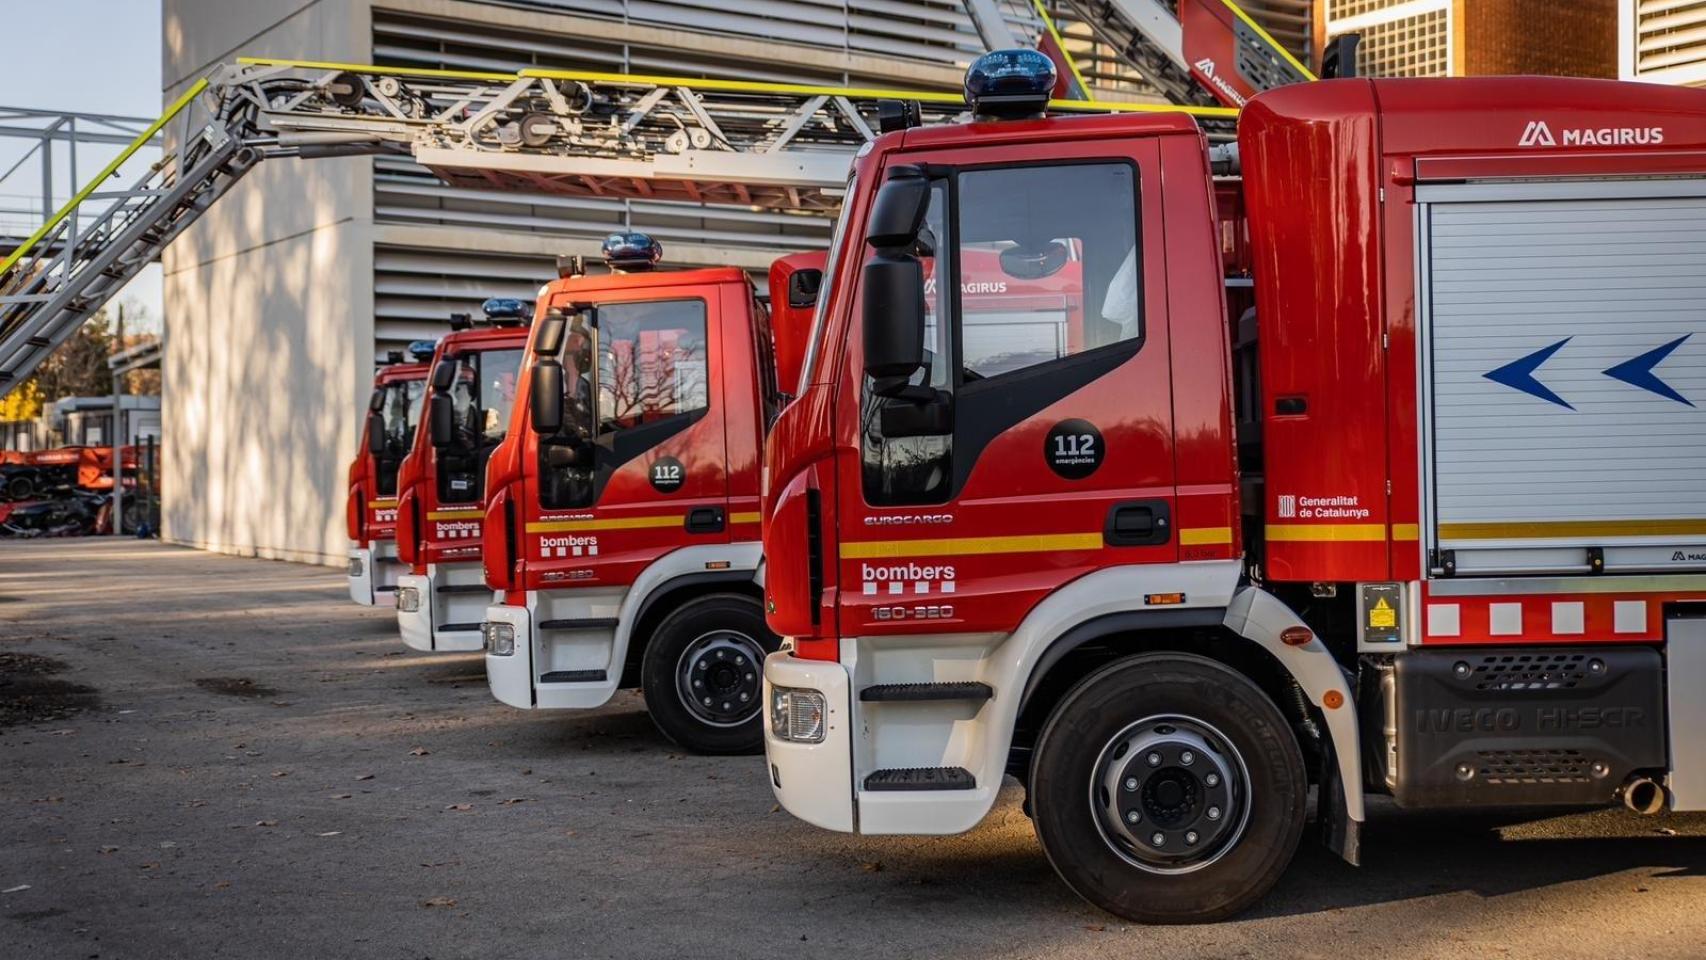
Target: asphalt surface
203	756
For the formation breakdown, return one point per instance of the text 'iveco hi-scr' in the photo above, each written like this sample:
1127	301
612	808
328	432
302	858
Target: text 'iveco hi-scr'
442	483
371	511
1427	522
624	513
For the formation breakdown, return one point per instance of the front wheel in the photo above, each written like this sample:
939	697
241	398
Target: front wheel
1167	788
703	674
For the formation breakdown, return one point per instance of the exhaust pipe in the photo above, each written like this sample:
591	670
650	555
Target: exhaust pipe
1643	795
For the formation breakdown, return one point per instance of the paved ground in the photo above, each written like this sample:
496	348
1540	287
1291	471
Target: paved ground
225	758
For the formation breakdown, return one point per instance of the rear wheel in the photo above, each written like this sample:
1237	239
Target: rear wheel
1167	788
703	674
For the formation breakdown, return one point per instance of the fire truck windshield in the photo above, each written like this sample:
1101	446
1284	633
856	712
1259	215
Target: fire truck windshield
481	396
401	411
808	369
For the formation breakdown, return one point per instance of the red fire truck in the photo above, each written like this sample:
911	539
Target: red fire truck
1427	521
627	493
442	482
370	513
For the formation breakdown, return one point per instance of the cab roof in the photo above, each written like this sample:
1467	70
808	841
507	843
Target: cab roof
646	279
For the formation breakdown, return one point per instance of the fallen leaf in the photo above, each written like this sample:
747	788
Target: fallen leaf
109	849
1667	832
20	888
528	772
148	866
330	833
460	806
281	773
515	800
221	885
1096	927
439	902
365	776
872	866
340	796
775	808
419	752
266	823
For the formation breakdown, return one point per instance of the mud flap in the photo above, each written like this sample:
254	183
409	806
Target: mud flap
1339	833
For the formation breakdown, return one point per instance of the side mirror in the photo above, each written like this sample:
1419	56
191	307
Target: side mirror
803	286
443	375
376	433
893	320
440	420
545	399
897	214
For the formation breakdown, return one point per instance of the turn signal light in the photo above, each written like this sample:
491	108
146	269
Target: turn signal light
797	715
1296	636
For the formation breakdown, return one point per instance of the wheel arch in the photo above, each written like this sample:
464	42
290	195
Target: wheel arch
670	596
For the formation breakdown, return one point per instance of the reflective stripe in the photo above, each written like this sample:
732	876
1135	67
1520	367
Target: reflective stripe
1572	528
970	546
752	517
1326	532
613	523
1406	531
464	514
382	504
1204	536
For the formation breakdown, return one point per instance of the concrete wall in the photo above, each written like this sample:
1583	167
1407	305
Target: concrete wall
269	306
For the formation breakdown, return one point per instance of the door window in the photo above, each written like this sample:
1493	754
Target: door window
1027	269
400	408
481	397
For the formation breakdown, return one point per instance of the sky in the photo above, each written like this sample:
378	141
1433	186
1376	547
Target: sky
90	56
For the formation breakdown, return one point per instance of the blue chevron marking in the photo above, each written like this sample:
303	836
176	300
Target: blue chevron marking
1639	371
1519	374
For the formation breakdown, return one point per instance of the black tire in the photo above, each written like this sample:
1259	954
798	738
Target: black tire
719	640
20	488
1128	727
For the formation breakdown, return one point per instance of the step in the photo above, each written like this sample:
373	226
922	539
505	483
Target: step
921	778
448	627
583	623
573	676
464	588
919	692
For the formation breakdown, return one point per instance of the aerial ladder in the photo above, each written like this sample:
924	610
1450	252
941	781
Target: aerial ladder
778	146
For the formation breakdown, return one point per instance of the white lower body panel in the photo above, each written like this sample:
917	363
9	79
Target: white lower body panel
373	573
453	600
813	781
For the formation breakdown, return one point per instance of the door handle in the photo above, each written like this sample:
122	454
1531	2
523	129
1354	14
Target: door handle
1138	523
705	520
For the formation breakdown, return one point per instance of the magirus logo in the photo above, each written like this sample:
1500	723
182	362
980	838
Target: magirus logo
1539	134
1206	67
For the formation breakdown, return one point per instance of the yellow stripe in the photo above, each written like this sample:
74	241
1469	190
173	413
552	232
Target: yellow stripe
1326	532
1572	528
1205	536
752	517
371	70
1240	14
106	172
381	504
613	523
456	514
1406	531
1059	43
970	546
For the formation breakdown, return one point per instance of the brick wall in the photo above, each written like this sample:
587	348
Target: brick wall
1577	38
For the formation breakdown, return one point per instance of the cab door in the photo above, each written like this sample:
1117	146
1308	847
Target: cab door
1037	443
637	468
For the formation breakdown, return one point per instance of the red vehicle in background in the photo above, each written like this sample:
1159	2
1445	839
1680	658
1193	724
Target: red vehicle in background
370	513
1374	472
623	524
442	481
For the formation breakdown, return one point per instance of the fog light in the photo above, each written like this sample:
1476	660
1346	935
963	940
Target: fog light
498	639
408	599
355	566
797	715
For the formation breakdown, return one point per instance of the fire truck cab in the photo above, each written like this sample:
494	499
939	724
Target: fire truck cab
370	512
440	509
1427	523
624	514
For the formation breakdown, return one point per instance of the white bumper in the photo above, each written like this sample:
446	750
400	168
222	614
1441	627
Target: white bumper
360	574
813	781
443	620
511	677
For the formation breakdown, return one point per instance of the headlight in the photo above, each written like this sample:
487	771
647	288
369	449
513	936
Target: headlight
498	638
797	715
355	566
408	599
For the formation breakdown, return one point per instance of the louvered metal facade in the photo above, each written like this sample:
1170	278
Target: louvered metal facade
1663	41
